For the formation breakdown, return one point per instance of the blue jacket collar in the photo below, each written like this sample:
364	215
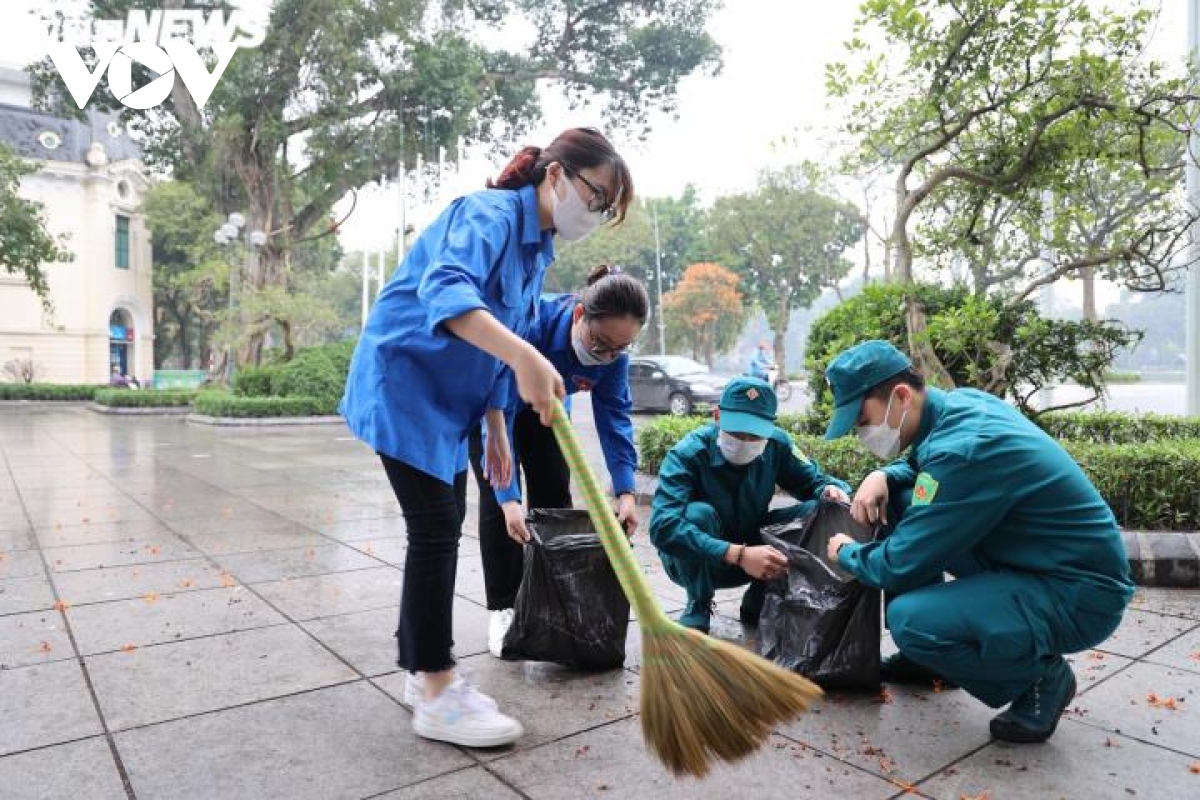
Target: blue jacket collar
531	223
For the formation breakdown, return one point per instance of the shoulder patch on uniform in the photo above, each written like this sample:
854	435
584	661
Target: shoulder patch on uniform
924	490
799	454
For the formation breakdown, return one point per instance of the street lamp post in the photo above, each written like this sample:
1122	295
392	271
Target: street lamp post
662	320
1192	316
231	234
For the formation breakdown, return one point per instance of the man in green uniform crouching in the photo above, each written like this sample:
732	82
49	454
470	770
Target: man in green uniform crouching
714	489
985	495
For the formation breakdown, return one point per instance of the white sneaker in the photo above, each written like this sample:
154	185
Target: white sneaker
462	715
498	625
414	690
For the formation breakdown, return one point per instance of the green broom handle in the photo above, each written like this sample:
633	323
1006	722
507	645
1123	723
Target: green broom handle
616	545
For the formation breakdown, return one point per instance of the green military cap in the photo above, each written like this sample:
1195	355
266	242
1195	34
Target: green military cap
855	372
748	405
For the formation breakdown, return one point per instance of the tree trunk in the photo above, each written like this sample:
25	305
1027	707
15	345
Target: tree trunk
979	276
915	319
185	342
1088	276
866	259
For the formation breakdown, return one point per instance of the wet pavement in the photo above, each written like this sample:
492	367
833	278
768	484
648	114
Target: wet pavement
197	612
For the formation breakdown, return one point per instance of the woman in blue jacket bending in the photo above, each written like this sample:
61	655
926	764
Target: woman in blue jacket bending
440	351
586	337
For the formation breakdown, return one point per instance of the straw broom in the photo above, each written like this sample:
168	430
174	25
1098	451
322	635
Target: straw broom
702	698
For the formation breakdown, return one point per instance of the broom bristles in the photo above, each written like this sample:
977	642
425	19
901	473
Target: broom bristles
701	698
704	699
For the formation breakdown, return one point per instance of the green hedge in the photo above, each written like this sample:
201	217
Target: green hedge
148	398
1098	427
1148	485
1112	427
255	381
313	372
221	404
49	391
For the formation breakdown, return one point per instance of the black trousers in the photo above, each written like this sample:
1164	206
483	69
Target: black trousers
433	514
547	484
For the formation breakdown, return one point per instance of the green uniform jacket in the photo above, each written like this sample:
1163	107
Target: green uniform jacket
989	485
695	471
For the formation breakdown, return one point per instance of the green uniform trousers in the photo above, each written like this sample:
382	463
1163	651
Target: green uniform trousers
995	631
701	577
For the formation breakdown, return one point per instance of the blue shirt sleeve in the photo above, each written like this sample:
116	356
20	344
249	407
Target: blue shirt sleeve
958	512
458	274
611	404
504	390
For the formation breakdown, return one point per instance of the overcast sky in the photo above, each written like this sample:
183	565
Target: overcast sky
727	129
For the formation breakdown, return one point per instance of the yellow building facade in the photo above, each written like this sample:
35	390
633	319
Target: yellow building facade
91	183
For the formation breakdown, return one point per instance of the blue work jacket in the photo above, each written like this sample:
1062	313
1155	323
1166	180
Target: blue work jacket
415	389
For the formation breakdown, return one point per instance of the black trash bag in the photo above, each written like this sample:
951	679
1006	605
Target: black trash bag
819	620
570	608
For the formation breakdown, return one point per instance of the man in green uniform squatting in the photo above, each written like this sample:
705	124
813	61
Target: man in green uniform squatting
714	489
985	495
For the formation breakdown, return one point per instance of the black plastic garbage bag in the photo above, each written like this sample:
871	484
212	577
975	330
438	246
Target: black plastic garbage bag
570	608
819	620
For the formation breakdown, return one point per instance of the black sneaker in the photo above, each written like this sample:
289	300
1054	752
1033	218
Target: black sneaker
1033	716
899	668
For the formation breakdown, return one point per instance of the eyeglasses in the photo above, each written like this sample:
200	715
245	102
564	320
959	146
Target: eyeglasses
602	349
599	200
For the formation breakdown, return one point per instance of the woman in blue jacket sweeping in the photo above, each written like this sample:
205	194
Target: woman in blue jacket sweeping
586	338
435	359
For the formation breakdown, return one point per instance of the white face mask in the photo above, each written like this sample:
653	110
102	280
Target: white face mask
883	440
572	220
585	356
738	451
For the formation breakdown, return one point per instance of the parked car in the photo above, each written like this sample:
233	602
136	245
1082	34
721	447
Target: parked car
673	383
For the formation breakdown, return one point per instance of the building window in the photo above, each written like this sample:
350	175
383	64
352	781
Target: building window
122	242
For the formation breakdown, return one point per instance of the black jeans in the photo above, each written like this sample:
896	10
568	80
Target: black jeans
547	485
433	514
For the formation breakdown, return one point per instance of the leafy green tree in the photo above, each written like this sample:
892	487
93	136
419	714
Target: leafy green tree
989	342
992	113
787	240
25	245
190	277
632	246
342	91
705	312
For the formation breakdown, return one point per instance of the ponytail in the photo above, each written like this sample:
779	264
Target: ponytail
526	167
612	293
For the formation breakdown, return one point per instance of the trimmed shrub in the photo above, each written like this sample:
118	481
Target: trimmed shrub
990	343
256	381
222	404
1114	427
842	457
315	372
148	398
49	391
1147	485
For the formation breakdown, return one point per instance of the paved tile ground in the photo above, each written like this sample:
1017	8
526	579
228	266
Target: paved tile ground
189	612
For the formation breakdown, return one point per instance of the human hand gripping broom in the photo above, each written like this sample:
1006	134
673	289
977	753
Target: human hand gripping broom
702	698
